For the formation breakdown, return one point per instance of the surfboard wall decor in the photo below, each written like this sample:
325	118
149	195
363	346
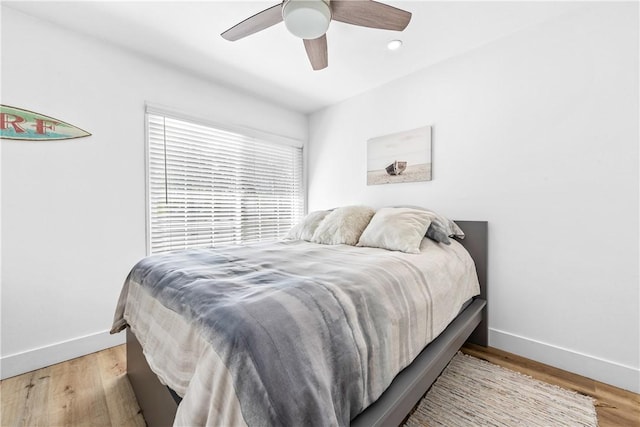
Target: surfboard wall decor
17	123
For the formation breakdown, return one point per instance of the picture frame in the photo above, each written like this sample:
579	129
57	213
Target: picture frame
400	157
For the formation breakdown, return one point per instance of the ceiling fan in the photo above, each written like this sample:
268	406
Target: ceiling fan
309	20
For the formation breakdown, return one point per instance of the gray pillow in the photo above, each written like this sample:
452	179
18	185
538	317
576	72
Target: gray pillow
437	232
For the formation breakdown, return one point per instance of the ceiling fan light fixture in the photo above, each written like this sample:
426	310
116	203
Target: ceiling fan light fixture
307	19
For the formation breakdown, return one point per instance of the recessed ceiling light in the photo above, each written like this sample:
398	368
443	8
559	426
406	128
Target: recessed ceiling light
394	44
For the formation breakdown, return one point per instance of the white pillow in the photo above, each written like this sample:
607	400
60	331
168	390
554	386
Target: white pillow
343	225
304	229
443	227
396	229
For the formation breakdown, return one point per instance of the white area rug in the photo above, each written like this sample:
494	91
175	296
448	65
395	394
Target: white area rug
473	392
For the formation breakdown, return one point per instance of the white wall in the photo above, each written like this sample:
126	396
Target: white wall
538	134
73	212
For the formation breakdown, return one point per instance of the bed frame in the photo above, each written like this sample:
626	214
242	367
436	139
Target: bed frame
159	403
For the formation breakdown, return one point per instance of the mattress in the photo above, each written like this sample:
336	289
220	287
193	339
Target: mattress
332	325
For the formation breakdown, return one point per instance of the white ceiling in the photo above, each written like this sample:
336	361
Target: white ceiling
273	64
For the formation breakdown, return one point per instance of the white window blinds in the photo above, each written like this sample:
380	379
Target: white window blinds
210	187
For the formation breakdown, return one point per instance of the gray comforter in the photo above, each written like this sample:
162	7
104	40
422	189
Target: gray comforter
310	334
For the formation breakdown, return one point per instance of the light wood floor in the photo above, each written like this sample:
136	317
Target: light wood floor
94	391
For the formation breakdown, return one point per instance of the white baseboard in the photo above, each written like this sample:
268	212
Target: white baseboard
616	374
26	361
606	371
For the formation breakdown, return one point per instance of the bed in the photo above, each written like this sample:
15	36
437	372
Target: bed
378	401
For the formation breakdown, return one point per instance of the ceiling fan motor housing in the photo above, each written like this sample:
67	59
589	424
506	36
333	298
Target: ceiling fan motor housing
307	19
310	19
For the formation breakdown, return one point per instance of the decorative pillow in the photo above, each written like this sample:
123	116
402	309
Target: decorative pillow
437	232
441	227
454	230
396	229
343	225
304	229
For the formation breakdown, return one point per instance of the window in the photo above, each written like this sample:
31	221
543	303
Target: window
211	187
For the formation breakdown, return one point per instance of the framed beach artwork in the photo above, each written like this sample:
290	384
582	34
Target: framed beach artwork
400	157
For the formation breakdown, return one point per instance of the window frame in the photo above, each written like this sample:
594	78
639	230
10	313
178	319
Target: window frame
234	128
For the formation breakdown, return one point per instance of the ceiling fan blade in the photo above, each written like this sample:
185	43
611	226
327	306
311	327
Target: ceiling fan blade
255	23
369	13
317	52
